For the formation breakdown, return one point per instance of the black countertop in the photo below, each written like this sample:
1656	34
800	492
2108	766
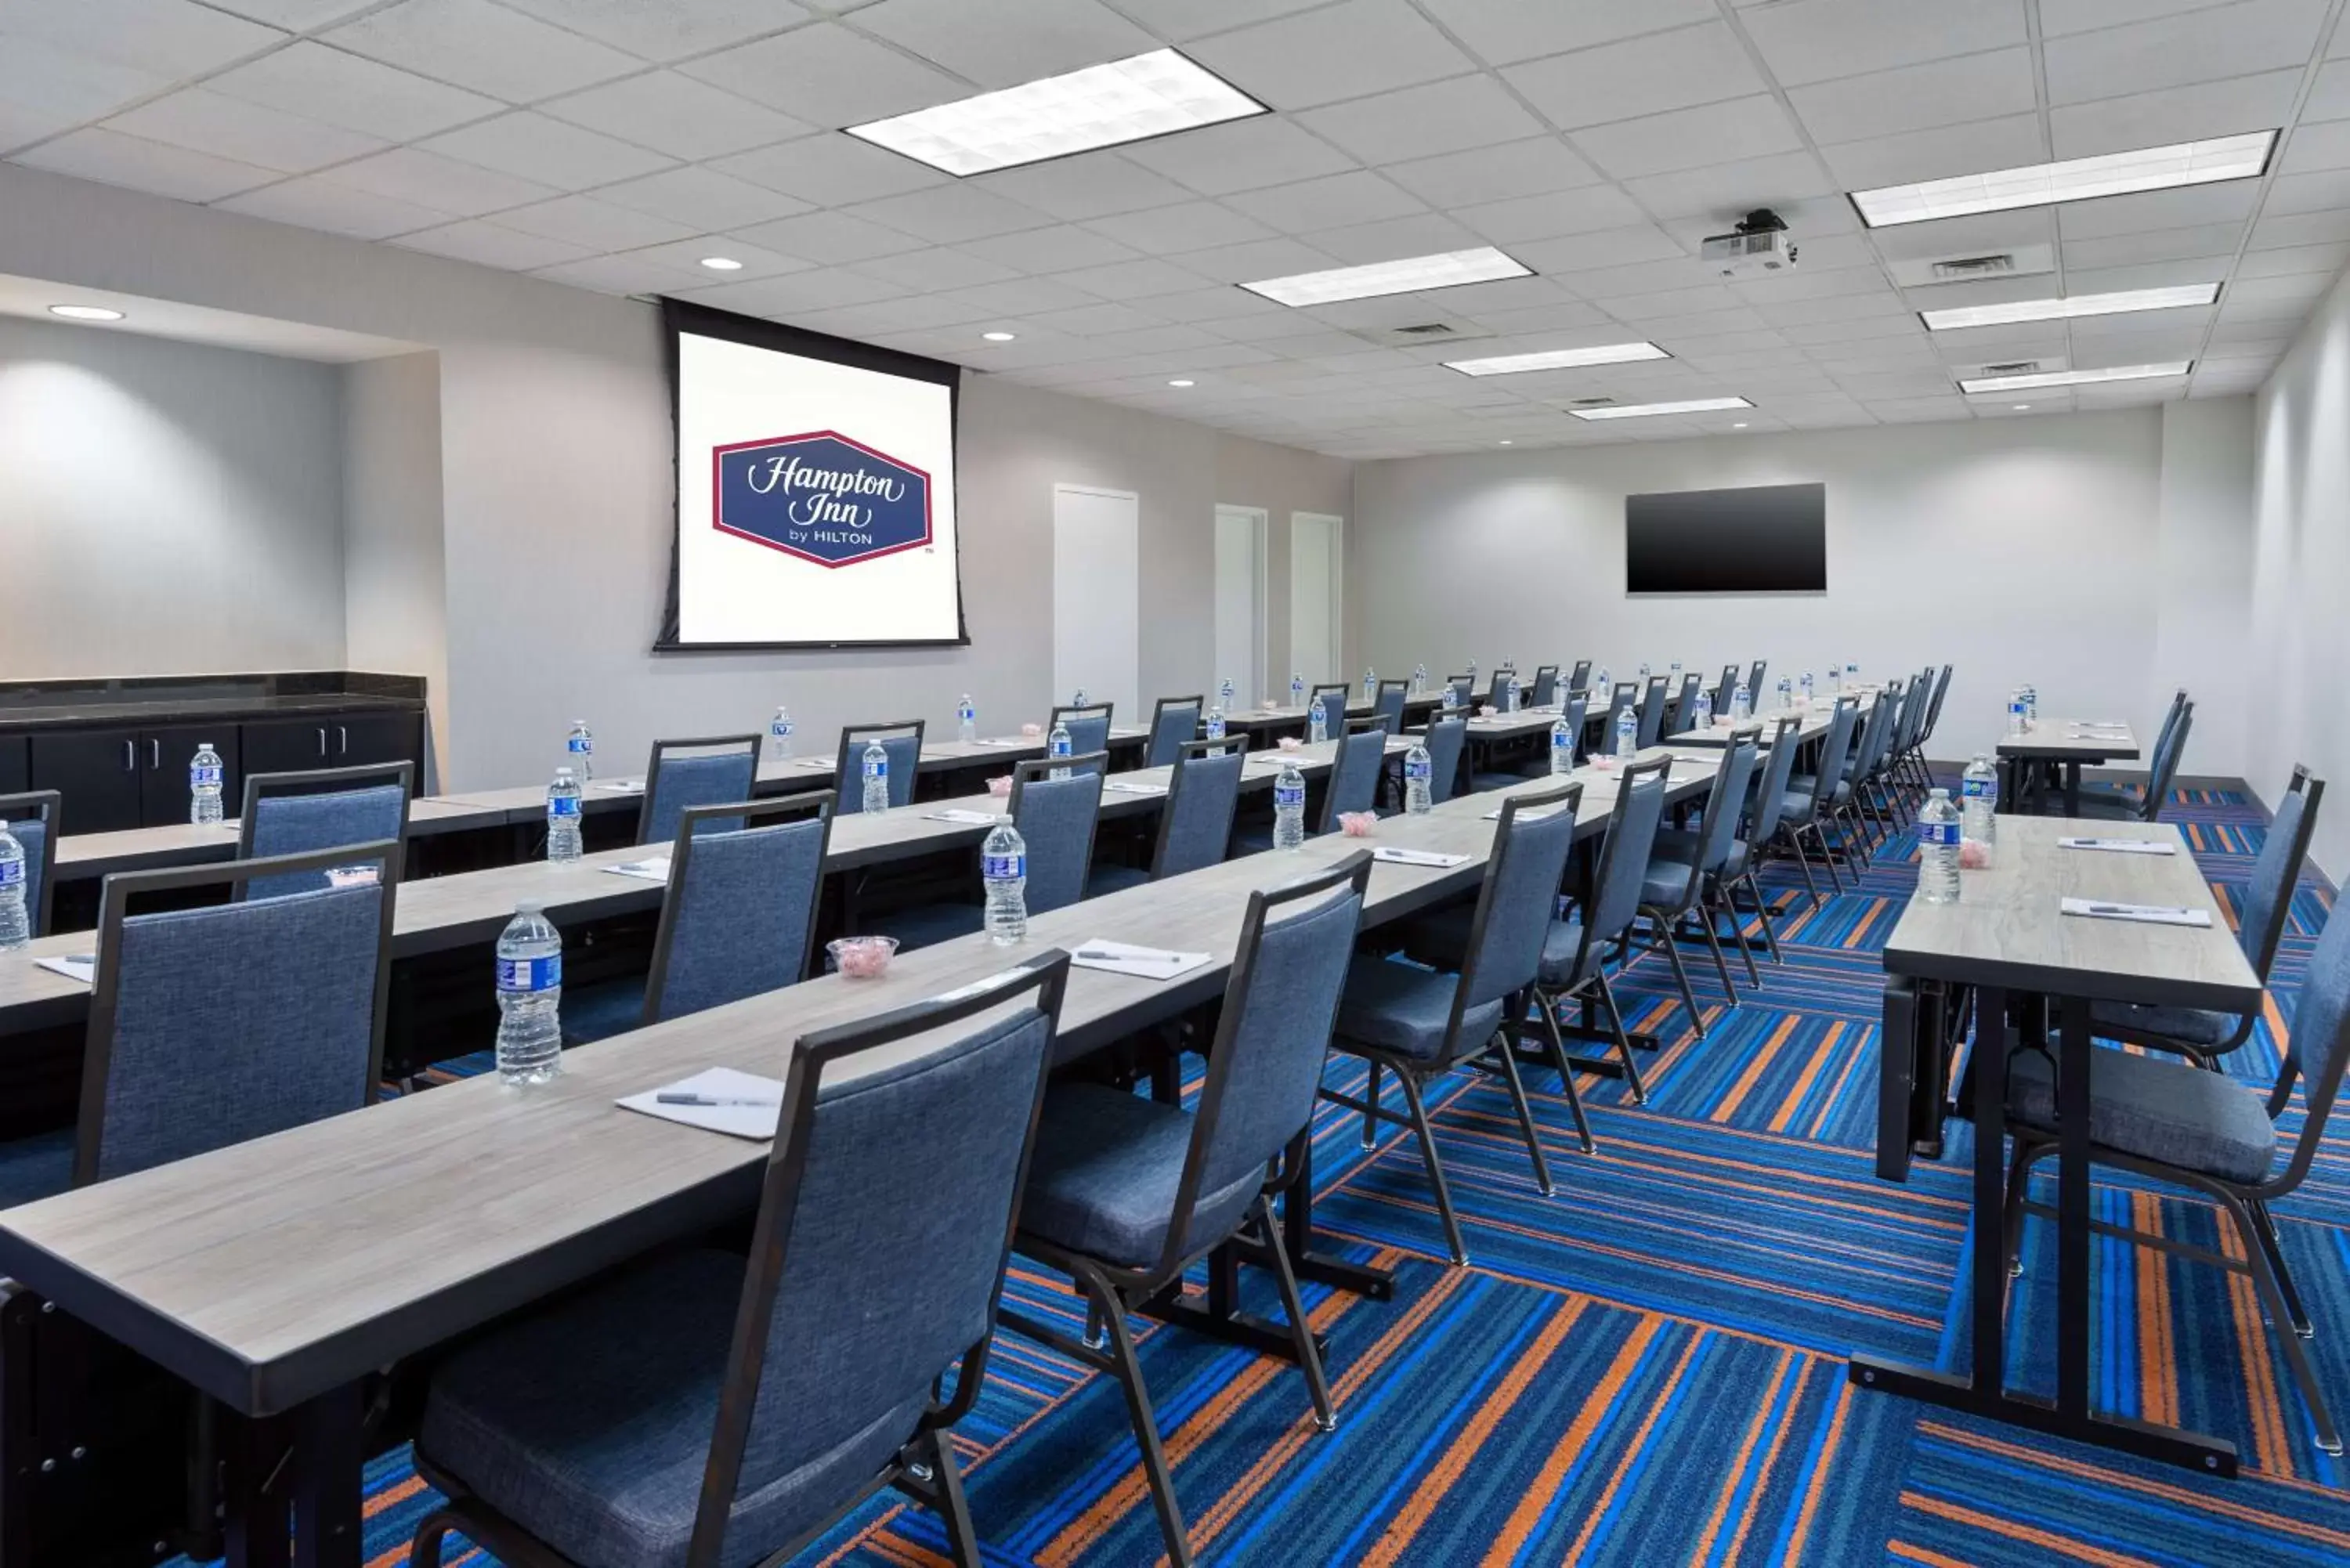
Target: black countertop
30	706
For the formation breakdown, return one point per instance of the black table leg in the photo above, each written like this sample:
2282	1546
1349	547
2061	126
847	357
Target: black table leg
326	1480
258	1532
2071	789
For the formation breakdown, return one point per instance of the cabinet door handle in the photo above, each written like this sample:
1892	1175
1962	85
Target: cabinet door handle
129	756
154	754
322	740
343	732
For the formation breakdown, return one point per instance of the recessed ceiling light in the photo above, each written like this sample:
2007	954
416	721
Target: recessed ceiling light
1641	410
2023	408
1181	383
2079	304
1506	444
722	263
1738	426
999	337
1558	359
2075	378
1409	274
84	313
2074	180
1100	106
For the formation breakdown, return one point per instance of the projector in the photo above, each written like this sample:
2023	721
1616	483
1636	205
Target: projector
1759	248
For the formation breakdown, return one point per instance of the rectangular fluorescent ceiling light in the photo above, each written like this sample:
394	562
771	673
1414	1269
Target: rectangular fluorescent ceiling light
1641	410
2075	180
1412	275
1100	106
2075	378
1558	359
2078	305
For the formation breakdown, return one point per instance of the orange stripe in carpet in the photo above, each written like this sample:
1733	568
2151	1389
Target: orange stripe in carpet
1634	1450
1520	1525
2157	1353
2261	1402
1737	1467
1819	1475
2029	1535
1755	1069
1918	1554
1771	1459
1795	1095
1448	1469
1829	1102
397	1493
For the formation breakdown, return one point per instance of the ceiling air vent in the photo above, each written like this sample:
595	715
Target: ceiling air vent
1958	268
2014	368
1408	332
1589	402
1425	330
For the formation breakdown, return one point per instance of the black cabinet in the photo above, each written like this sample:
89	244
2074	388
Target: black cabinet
290	745
13	776
96	771
164	755
365	739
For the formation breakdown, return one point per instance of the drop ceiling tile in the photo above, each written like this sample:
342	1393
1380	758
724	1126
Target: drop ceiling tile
2317	191
1186	226
44	90
1551	215
828	239
829	76
319	83
1918	97
295	15
1814	40
1503	31
315	202
1259	259
629	272
1088	185
2301	229
1027	296
428	179
2313	147
677	115
2329	94
1335	201
1110	342
1604	248
113	158
1346	50
684	257
951	215
593	224
1638	77
1132	280
1812	334
799	293
1917	410
1183	19
1218	303
1526	168
1276	331
867	320
1975	236
830	171
1665	330
202	121
1240	155
1415	122
1059	247
1677	271
1870	386
2306	287
668	29
1879	301
1941	153
1807	281
481	45
486	244
2291	259
1687	138
2175	114
1002	43
1667	303
530	146
1419	234
2173	51
2150	210
1725	191
173	39
703	200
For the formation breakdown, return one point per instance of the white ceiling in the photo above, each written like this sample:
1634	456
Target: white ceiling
609	144
31	297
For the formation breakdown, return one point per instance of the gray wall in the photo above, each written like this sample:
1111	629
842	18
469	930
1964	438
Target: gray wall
395	570
165	508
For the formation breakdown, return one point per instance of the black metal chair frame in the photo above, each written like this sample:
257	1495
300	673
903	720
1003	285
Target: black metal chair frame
1061	711
259	787
1579	678
1546	687
48	806
1027	771
748	813
1777	758
714	743
1655	702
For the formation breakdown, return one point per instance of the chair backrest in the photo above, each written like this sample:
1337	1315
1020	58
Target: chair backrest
1913	714
901	742
1683	712
293	814
1718	827
1654	702
1497	686
32	819
1195	827
1574	710
1174	724
1725	689
1834	747
1517	899
1334	697
2316	1048
1355	772
716	770
2170	721
1460	685
1545	685
1884	724
2166	765
1754	681
1088	725
885	1220
739	919
1579	678
213	1025
1778	767
1445	740
1625	695
1388	704
1624	856
1934	707
1265	1065
2268	896
1056	817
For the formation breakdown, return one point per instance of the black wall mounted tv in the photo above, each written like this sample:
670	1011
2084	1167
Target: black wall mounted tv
1763	539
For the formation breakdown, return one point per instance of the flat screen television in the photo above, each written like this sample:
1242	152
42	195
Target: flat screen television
1763	539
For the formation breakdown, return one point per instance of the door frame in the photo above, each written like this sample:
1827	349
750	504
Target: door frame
1260	633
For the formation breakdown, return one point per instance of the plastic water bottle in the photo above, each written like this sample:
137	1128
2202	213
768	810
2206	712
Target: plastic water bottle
1370	684
1079	700
530	997
1511	694
1979	808
1003	868
1673	675
1938	850
1472	678
204	774
1852	676
563	818
1741	703
1452	698
1627	735
1786	693
1298	692
1058	745
580	747
1419	779
1226	694
2018	715
1561	746
966	720
2031	704
1317	724
1599	682
1216	722
876	769
1289	808
15	924
1807	689
1702	711
1419	678
1644	672
779	735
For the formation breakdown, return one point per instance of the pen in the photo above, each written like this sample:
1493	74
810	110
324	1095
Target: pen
666	1099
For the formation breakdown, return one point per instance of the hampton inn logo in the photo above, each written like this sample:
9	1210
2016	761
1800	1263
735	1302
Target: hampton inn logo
821	497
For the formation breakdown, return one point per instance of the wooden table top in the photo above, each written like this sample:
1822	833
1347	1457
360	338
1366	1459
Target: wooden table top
1812	723
2069	740
2007	928
83	854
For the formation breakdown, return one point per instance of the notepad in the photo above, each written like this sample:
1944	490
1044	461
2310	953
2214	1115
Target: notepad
812	762
652	868
964	815
2146	914
1007	741
82	967
1142	962
1124	786
750	1121
621	786
2122	846
1495	815
1418	858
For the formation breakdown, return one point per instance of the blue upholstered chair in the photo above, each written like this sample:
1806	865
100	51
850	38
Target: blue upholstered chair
1850	805
695	1410
31	821
1125	1193
1335	697
1389	703
1174	724
1462	687
1725	689
1355	771
1088	725
1626	694
2162	772
1754	681
901	742
1497	687
1537	765
1682	714
1056	817
1803	811
1759	826
1579	678
717	769
1545	691
1683	867
1445	740
294	814
2171	1122
1195	824
1419	1023
1656	703
1922	774
738	918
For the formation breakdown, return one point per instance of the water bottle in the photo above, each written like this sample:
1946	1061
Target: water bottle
1627	735
1289	808
779	735
1786	693
563	818
1511	694
1978	793
1452	698
204	776
580	747
1419	779
1298	692
1673	675
1807	689
876	769
1058	745
1852	676
1419	678
1702	711
1644	674
1216	722
1561	746
1318	724
1079	700
1370	684
1004	868
1599	682
2017	715
1226	694
966	720
530	997
1938	850
2031	704
15	924
1741	703
1472	678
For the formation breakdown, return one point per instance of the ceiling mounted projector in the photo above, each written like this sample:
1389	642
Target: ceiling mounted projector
1759	248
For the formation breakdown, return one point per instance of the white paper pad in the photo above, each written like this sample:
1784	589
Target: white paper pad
1418	858
757	1122
962	814
812	762
1495	815
652	868
621	786
1009	741
2122	846
1126	957
2146	914
1123	787
82	967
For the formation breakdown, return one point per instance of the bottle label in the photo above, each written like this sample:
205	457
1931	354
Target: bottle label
563	806
781	729
12	872
580	745
1982	789
966	712
525	976
1003	867
1420	772
1933	835
878	769
203	777
1286	795
1215	729
1061	747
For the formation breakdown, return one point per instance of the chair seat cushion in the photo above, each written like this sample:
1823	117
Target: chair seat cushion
1442	936
590	1425
928	925
1113	879
1799	793
1104	1176
1679	844
2113	807
1404	1009
34	1167
1666	884
2195	1025
601	1009
2156	1109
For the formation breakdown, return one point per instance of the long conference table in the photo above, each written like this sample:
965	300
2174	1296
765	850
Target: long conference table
275	1275
2064	747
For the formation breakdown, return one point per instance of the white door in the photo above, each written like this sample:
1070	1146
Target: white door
1240	604
1097	597
1315	593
